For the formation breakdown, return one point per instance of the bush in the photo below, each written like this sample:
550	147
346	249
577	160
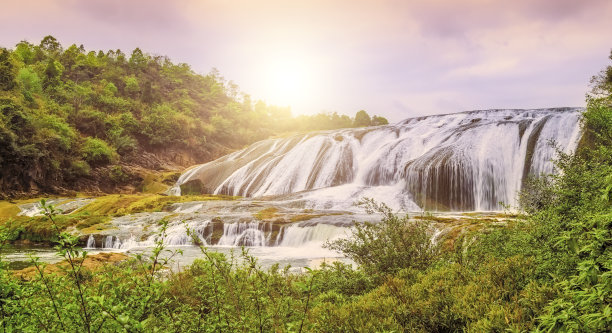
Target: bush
393	244
79	168
537	192
98	152
117	175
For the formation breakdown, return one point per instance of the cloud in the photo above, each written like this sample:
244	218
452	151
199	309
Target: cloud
395	58
139	14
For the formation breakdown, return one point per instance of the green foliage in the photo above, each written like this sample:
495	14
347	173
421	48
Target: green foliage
57	128
30	83
53	72
537	193
362	119
117	175
135	104
573	229
97	152
79	168
132	87
164	125
24	51
378	120
7	71
393	244
90	121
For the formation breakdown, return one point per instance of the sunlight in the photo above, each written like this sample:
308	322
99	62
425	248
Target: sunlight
288	81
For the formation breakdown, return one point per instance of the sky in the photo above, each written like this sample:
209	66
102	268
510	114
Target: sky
397	59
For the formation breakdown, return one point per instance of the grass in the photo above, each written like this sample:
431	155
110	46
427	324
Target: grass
91	264
8	210
433	218
93	217
123	204
272	213
266	214
306	217
153	183
96	228
89	221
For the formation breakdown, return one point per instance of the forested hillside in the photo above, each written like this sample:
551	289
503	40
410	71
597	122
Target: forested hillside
94	121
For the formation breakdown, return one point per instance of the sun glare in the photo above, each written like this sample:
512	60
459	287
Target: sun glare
288	82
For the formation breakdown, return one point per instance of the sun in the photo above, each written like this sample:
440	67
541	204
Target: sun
288	81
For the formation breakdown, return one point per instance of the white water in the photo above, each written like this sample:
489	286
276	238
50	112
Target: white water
463	161
64	205
249	234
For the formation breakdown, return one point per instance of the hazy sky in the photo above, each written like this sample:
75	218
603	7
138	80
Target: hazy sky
394	58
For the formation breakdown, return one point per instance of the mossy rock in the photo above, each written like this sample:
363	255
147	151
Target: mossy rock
266	214
193	187
213	232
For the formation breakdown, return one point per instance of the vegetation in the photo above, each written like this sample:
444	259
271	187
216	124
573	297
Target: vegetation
393	244
67	111
91	218
548	272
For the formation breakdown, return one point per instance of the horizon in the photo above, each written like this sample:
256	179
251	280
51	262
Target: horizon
388	58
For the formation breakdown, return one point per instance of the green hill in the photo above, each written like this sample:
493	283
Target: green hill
98	121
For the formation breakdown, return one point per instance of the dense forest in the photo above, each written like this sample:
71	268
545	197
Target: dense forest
86	120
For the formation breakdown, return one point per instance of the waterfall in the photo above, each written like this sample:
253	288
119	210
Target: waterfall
91	242
303	233
251	234
244	234
464	161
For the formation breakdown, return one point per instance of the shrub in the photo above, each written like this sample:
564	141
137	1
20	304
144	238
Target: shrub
393	244
97	152
117	175
537	192
79	168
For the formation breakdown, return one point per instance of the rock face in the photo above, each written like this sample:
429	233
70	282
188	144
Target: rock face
464	161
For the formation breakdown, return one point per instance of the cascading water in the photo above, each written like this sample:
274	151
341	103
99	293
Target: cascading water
457	162
464	161
250	234
309	183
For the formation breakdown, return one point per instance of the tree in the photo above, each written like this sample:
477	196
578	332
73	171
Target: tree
69	57
51	45
132	88
7	71
147	93
24	51
52	73
378	120
138	60
578	223
362	119
30	83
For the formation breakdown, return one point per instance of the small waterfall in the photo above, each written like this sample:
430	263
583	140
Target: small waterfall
303	233
250	234
459	162
177	234
243	234
112	242
91	242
